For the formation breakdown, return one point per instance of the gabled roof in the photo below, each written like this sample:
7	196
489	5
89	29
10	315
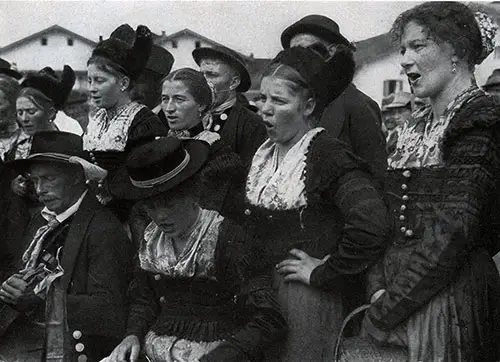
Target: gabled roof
372	49
53	28
186	31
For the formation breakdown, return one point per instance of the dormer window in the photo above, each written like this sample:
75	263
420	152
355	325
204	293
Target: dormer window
70	42
197	44
43	41
174	43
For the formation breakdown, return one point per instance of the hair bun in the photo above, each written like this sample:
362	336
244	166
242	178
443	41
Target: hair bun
488	30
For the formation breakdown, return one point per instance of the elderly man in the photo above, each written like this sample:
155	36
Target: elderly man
396	108
239	127
353	117
75	241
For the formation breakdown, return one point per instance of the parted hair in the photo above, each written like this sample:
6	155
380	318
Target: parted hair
449	22
196	84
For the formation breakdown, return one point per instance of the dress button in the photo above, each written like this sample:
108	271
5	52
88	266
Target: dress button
217	128
82	358
406	173
87	182
248	212
403	229
162	299
402	217
405	197
157	276
79	347
409	233
269	217
403	207
223	116
77	334
404	187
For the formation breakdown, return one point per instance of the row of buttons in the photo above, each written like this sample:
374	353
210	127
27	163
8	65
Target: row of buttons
406	231
79	347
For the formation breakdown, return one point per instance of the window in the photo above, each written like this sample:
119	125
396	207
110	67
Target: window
70	42
44	41
174	43
197	44
392	86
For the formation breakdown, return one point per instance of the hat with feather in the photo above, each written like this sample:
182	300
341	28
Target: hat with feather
54	87
132	59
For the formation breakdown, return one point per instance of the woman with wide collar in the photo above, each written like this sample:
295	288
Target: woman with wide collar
116	122
200	292
312	201
436	291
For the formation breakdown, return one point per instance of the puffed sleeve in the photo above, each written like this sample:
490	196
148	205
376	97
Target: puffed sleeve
365	230
472	167
264	322
144	307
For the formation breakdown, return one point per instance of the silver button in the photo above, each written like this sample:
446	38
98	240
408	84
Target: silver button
404	186
248	212
162	299
270	217
407	173
77	334
405	197
402	217
403	207
82	358
409	233
217	128
87	182
157	276
79	347
223	116
403	229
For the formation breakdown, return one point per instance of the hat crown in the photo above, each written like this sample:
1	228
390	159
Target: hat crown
6	68
64	143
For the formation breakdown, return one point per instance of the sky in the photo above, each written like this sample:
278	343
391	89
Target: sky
246	26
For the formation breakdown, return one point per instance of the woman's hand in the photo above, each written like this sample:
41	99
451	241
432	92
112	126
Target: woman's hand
127	350
300	268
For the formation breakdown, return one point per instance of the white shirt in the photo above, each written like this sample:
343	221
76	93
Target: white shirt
47	214
65	123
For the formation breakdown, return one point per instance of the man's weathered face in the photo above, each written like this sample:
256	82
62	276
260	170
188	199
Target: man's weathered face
55	184
223	77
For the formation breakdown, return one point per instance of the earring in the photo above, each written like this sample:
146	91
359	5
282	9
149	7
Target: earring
453	67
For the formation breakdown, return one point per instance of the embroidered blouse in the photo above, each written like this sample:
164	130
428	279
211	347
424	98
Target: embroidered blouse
420	140
279	186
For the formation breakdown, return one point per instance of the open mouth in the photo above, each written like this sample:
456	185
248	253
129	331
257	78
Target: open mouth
413	77
268	124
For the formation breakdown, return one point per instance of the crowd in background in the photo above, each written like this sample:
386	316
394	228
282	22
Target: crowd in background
184	223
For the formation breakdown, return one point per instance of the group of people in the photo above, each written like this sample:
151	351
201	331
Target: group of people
180	225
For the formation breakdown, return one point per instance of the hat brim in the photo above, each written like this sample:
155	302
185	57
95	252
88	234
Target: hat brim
22	165
11	73
320	31
121	186
201	53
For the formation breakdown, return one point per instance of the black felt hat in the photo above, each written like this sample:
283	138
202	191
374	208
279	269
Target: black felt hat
131	56
493	79
229	56
6	68
318	25
51	146
55	88
158	166
327	76
160	60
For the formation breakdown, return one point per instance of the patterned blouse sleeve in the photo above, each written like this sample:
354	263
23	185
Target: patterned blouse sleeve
451	234
241	256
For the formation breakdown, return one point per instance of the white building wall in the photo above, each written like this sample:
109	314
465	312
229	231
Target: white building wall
35	56
186	43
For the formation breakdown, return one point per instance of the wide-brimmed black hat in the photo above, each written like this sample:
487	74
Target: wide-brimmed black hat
158	166
493	79
55	88
318	25
51	146
6	68
132	58
327	76
229	56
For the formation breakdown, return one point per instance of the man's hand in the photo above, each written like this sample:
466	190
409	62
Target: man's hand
127	350
300	267
15	291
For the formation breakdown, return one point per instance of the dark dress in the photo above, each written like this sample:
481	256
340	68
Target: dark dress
213	297
344	217
442	298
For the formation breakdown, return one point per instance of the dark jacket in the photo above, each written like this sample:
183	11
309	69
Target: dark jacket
445	230
96	261
355	119
239	307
